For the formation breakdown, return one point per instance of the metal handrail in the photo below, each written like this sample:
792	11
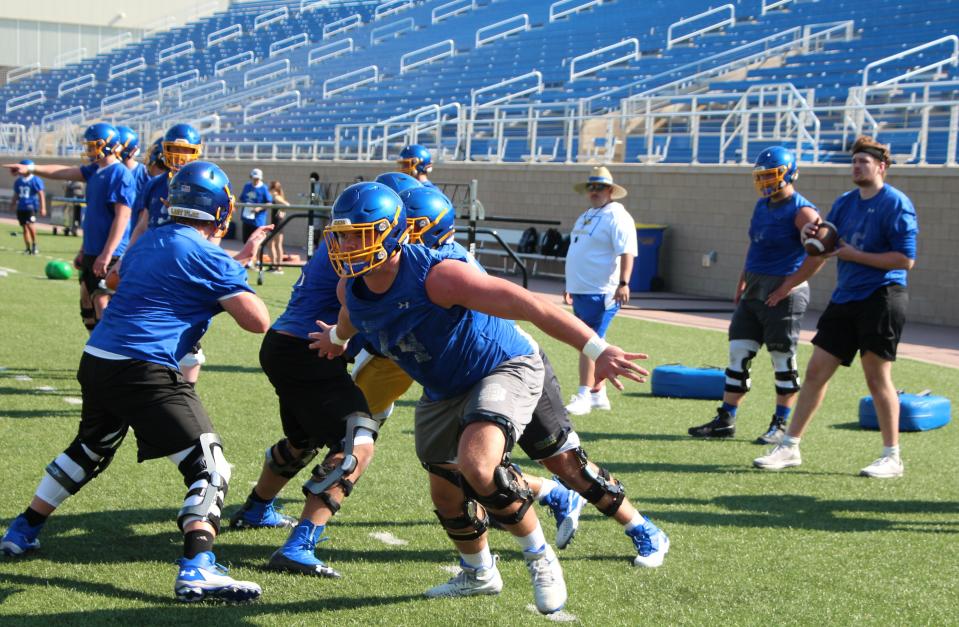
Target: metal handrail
201	92
112	42
270	17
24	71
174	51
227	33
341	26
64	116
729	21
175	80
795	110
458	7
114	102
632	56
290	43
345	47
70	56
393	29
76	84
389	7
267	71
524	26
250	117
503	83
952	60
555	13
26	100
234	62
311	5
769	5
353	85
450	51
127	67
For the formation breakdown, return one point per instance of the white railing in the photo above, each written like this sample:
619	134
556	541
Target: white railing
269	106
632	54
368	74
235	62
201	93
561	8
270	17
26	100
76	84
70	56
389	31
951	59
341	26
519	23
175	51
730	20
115	102
162	23
769	5
22	72
289	43
329	51
206	124
771	112
225	34
120	39
451	9
70	115
177	80
427	54
389	7
266	72
14	139
378	137
261	151
535	88
127	67
311	5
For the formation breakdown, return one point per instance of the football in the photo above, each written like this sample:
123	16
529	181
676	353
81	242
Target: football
824	241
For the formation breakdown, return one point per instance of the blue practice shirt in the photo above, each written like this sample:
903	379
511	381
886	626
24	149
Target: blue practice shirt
28	190
154	193
775	244
886	222
140	178
447	351
313	298
260	195
105	188
171	284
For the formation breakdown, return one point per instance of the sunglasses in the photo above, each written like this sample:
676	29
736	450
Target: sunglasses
596	187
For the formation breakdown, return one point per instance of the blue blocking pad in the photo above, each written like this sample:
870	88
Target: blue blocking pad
678	381
916	413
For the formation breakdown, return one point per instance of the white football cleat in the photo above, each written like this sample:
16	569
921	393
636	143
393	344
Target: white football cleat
883	468
599	401
469	582
549	588
780	457
580	404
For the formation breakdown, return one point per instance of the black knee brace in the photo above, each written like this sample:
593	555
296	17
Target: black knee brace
78	455
511	488
601	484
207	477
467	526
450	475
320	473
281	460
89	317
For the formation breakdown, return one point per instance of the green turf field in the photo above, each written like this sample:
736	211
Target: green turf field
813	545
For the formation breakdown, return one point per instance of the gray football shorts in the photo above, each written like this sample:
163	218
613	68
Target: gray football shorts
510	392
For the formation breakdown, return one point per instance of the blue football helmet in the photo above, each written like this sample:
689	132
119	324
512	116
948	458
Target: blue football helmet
398	182
775	168
101	140
367	227
155	156
26	162
415	159
429	216
200	190
181	145
129	142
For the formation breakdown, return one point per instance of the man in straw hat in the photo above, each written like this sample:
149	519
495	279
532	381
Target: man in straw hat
598	266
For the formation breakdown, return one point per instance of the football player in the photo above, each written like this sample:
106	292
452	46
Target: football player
427	312
130	379
110	194
416	161
129	149
27	199
771	295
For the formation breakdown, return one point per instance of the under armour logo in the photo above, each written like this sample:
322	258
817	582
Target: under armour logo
403	305
187	572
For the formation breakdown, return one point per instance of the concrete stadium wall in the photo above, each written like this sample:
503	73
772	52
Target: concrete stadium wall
707	209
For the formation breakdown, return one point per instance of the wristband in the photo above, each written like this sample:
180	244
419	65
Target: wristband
31	168
595	347
623	283
336	339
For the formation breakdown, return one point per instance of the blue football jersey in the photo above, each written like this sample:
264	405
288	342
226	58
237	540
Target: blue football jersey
313	298
28	190
259	195
140	178
886	222
171	284
106	187
775	244
152	199
447	351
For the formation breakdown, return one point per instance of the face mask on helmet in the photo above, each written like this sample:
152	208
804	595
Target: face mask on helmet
429	217
414	160
368	226
775	169
99	141
181	145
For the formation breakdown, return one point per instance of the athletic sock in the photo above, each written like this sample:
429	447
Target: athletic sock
790	441
583	390
483	559
891	451
545	489
196	542
535	542
256	497
636	521
730	409
782	412
34	517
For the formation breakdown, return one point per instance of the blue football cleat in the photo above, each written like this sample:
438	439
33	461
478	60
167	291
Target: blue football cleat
201	578
651	545
566	506
256	514
297	555
20	538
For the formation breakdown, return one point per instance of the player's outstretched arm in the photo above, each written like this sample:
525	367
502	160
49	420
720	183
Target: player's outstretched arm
58	172
248	310
453	283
